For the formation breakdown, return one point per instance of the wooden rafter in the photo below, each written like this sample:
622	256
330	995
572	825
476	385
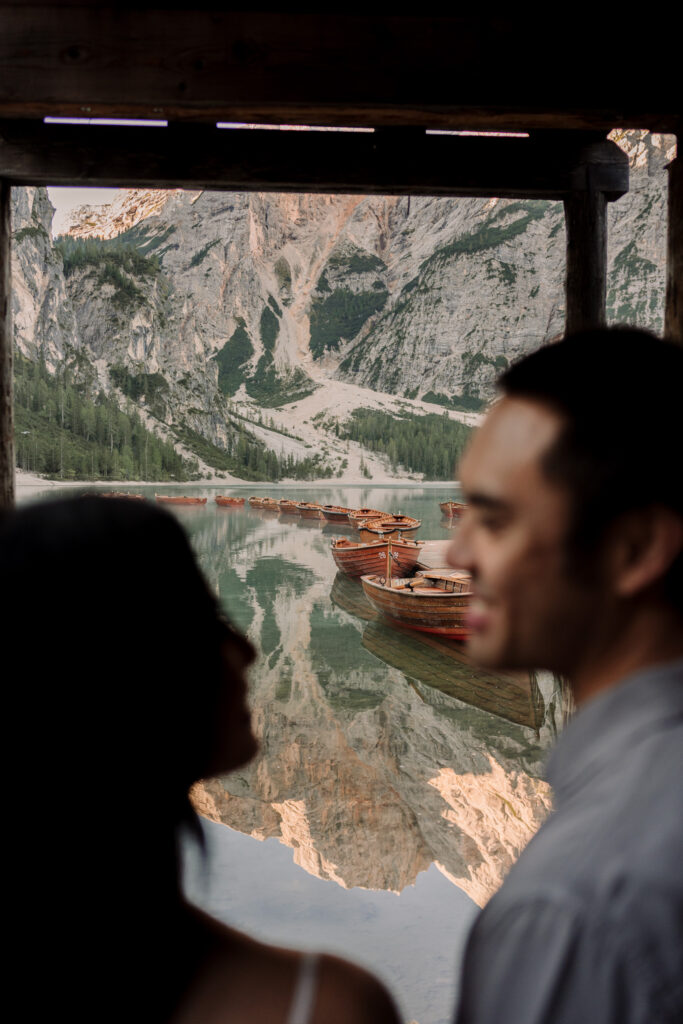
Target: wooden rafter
389	162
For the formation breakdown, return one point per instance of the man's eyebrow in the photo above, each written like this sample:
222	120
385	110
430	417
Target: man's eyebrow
487	501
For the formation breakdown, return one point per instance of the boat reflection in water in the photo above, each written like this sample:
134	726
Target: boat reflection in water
381	752
442	665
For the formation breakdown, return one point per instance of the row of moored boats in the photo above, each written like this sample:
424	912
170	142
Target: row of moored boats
384	558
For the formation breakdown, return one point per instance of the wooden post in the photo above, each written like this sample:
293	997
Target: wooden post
585	214
673	318
6	343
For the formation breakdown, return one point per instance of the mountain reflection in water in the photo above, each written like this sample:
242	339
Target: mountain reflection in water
388	762
382	752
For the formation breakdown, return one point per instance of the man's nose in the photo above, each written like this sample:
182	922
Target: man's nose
458	553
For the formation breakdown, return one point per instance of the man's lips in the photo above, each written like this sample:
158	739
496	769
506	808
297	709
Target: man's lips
478	614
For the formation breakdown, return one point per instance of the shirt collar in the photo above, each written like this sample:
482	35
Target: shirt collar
604	730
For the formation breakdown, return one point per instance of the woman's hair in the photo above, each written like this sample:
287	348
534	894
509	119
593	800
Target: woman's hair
114	678
119	634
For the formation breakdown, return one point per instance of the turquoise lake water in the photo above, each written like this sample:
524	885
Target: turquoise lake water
395	782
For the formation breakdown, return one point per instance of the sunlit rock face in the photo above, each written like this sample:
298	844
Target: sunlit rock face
42	311
368	772
128	208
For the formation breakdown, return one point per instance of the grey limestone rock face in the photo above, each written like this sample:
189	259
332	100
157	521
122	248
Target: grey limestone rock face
261	297
42	311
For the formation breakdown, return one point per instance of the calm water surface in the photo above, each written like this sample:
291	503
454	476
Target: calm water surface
395	783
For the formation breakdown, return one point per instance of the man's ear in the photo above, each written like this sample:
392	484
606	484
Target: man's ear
646	542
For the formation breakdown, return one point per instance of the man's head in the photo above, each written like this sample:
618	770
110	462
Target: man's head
576	500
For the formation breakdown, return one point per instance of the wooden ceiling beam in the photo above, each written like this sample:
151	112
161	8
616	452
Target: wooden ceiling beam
506	71
387	162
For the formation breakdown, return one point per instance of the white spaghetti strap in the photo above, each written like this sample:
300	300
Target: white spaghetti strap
305	990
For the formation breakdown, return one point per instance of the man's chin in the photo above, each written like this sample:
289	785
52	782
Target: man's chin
485	652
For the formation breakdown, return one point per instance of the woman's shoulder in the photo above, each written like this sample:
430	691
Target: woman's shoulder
347	992
244	980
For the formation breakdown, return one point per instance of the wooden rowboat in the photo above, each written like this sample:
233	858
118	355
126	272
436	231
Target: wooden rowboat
433	602
289	508
360	515
180	500
391	526
453	509
226	502
270	504
336	514
309	510
360	559
123	494
255	502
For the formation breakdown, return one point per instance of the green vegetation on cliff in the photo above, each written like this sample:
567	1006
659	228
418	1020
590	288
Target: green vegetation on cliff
115	262
153	387
273	390
428	444
202	253
341	314
232	359
461	403
78	253
66	432
492	232
247	458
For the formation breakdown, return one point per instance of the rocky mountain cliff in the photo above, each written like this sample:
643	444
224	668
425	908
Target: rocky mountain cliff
304	304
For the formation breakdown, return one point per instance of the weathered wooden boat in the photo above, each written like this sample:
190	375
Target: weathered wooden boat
122	494
360	515
288	507
453	509
270	504
432	602
336	514
310	510
167	499
255	502
226	502
359	559
391	526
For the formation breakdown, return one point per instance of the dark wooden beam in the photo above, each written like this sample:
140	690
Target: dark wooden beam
673	320
491	70
586	280
6	345
389	162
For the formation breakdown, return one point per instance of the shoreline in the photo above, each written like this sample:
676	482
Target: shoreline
27	484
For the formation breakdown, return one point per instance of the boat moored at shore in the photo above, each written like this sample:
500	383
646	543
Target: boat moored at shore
452	509
336	514
359	559
310	510
227	502
389	527
431	602
168	499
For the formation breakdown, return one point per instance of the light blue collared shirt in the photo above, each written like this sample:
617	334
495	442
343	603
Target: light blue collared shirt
588	926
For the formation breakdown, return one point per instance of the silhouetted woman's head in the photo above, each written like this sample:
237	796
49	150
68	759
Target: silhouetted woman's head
129	669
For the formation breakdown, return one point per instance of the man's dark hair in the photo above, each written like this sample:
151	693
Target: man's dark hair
620	391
